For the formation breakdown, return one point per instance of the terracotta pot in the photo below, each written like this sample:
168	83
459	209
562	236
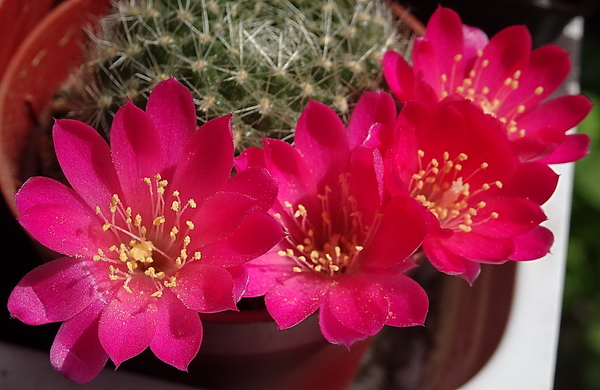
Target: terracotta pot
246	351
17	18
40	64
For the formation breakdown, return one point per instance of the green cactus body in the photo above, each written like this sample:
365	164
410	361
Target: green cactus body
263	60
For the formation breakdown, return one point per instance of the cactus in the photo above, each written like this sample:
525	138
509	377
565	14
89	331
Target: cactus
262	60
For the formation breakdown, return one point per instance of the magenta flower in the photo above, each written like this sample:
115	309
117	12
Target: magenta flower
456	161
503	76
348	244
154	231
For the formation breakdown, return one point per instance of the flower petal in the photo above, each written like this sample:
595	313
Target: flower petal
265	271
59	219
563	112
85	159
408	302
507	52
205	288
401	230
220	215
76	352
444	31
134	139
399	76
547	68
254	236
178	332
127	325
171	107
372	108
321	139
515	216
366	181
250	157
450	263
573	148
290	170
292	300
334	331
532	180
532	245
256	183
481	248
53	292
206	163
358	303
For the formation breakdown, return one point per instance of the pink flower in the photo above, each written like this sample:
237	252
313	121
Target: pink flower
456	161
503	76
348	244
154	231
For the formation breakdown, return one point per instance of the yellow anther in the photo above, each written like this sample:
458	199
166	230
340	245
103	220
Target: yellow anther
192	203
175	205
190	225
498	184
297	269
159	220
458	57
172	282
494	215
484	165
539	90
106	226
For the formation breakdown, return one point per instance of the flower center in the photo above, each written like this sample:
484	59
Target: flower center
441	188
333	247
153	252
473	88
